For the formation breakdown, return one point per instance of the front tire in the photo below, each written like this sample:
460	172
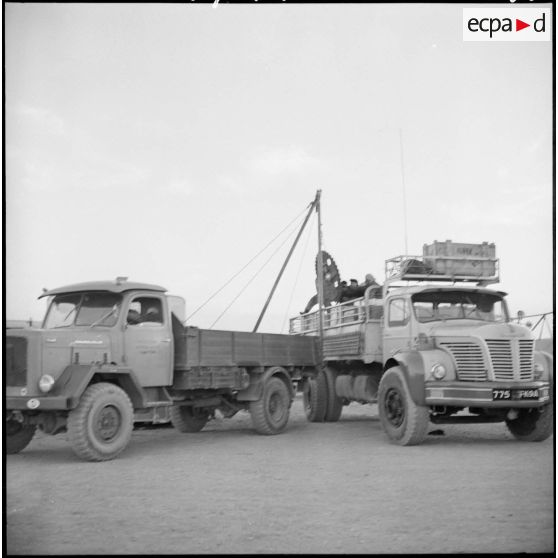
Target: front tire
532	425
100	427
404	422
188	419
18	435
270	413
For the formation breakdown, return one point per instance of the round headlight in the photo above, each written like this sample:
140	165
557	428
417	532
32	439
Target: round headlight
45	383
438	371
538	370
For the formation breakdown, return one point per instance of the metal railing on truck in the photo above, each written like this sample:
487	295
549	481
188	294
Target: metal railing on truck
336	316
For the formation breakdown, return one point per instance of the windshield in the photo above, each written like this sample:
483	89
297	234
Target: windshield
430	306
83	309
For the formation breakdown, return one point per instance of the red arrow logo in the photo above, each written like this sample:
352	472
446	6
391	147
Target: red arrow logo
519	25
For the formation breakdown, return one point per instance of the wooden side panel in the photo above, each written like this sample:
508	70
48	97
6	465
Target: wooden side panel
249	348
216	348
203	347
289	350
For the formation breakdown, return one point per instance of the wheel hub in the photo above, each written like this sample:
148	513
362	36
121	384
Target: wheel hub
107	423
394	407
275	406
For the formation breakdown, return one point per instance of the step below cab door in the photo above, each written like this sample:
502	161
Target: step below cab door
148	340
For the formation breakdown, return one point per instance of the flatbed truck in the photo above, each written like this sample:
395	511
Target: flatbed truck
109	349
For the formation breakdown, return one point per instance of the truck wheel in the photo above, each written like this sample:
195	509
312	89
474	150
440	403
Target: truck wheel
188	419
334	404
532	425
100	427
270	413
402	419
314	397
18	435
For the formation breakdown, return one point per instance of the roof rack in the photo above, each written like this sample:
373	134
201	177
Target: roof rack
480	270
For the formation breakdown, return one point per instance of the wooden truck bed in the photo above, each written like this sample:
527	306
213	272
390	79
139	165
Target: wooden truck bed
196	347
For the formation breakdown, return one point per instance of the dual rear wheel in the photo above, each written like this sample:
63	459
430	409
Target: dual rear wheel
320	400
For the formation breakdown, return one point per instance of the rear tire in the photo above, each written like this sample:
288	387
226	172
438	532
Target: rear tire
404	422
532	425
314	397
186	418
334	403
100	427
270	413
18	436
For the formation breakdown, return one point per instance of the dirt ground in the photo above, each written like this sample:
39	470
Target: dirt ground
317	488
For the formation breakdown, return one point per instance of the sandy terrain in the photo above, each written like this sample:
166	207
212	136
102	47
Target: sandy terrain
317	488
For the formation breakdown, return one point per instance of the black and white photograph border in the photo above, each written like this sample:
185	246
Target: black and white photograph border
208	207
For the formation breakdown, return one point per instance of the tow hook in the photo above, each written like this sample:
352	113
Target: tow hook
512	414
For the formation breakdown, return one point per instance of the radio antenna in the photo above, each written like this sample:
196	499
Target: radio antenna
404	192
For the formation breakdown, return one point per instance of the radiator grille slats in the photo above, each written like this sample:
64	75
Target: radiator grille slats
526	358
510	359
502	358
469	359
16	361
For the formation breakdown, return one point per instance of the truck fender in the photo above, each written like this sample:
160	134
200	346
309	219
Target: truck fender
412	366
257	380
73	382
75	379
547	360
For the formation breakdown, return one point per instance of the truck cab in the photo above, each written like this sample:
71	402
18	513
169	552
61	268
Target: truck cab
105	323
116	333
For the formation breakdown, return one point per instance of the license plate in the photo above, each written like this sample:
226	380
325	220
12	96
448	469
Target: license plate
514	394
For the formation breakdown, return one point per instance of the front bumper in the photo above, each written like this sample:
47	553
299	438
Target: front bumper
40	403
479	394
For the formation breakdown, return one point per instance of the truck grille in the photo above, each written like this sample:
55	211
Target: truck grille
16	361
511	359
469	360
526	359
502	359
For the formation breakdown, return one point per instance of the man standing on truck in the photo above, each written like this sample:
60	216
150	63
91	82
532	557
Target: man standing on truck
370	281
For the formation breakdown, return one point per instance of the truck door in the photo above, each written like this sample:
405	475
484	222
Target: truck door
397	326
148	341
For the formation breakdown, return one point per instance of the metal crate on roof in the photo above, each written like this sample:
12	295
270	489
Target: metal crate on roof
451	249
458	258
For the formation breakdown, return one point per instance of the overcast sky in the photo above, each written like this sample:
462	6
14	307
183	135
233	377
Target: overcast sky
171	143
